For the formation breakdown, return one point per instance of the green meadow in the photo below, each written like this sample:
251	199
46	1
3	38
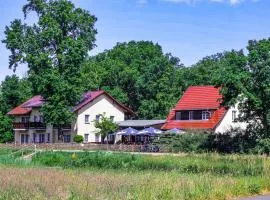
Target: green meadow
106	175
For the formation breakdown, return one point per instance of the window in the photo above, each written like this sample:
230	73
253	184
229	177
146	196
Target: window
191	113
206	115
34	137
97	118
86	138
178	116
111	118
25	119
67	138
24	138
97	138
234	116
41	138
86	119
35	118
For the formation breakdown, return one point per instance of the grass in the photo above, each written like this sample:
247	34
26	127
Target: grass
215	164
101	175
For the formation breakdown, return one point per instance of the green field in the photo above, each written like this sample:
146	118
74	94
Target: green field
101	175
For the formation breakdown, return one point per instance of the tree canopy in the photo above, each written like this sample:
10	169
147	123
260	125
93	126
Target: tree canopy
138	74
54	48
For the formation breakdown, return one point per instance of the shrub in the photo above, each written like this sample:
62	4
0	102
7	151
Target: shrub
78	138
263	146
187	142
233	141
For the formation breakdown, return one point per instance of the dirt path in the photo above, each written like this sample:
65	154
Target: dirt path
266	197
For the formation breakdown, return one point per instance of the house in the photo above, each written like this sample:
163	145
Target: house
29	126
200	108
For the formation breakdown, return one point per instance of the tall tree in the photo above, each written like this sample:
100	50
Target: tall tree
54	48
250	84
139	74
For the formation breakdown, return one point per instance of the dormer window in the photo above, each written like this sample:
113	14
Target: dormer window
191	115
206	115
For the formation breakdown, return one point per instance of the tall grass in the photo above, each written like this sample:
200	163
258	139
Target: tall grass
234	165
46	183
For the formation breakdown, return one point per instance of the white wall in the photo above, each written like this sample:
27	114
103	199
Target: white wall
227	122
100	105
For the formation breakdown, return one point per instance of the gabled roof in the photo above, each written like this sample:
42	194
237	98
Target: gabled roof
88	97
92	95
27	106
198	98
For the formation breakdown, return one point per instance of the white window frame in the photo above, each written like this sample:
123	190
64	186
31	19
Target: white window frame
204	115
179	114
191	115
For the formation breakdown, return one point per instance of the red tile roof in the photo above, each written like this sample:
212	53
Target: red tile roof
27	106
88	97
198	98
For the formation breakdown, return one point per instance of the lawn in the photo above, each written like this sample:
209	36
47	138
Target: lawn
102	175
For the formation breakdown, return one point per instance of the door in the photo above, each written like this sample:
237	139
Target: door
41	138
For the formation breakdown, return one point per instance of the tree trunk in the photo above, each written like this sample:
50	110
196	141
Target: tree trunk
102	139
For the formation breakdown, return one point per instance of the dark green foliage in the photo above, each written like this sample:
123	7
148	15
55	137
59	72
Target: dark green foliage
54	48
188	142
233	141
13	92
217	165
263	147
249	83
6	134
78	138
138	74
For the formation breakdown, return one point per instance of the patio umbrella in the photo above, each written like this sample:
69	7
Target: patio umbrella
149	131
175	130
127	131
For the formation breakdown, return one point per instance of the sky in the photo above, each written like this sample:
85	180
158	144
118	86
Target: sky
189	29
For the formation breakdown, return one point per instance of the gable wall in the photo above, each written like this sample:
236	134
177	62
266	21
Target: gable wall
100	105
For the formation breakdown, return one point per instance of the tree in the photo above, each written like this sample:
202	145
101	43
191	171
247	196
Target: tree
54	49
250	85
6	134
138	74
13	92
105	126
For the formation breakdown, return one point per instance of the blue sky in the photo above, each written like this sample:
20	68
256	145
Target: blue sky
189	29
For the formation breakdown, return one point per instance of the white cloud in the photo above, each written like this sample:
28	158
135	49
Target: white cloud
232	2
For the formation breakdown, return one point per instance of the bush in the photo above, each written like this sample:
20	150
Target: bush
78	138
233	141
263	146
187	142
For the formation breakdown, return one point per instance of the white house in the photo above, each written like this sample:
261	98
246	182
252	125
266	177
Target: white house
200	109
29	126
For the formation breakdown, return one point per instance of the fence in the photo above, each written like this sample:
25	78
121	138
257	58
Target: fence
91	147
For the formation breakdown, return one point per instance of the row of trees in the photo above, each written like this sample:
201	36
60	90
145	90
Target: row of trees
139	74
